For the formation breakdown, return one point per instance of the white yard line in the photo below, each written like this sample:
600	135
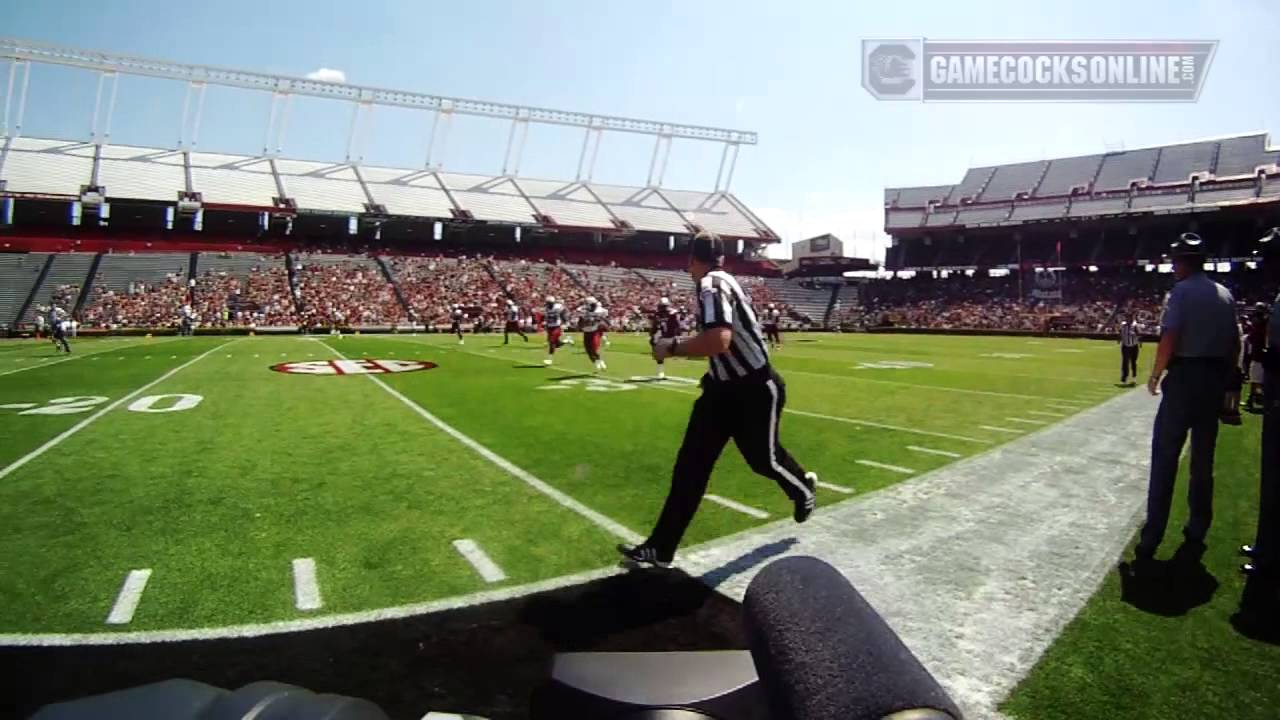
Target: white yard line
886	466
77	356
687	391
484	566
1046	413
997	428
94	417
306	589
735	505
130	595
939	388
931	451
1074	407
1027	421
836	488
600	520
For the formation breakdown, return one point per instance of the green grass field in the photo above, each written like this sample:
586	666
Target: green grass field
219	498
193	459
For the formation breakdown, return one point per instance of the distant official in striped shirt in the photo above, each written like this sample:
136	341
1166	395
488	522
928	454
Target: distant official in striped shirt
742	398
1130	345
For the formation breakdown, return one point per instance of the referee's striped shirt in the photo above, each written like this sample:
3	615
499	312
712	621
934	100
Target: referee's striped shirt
1129	336
722	303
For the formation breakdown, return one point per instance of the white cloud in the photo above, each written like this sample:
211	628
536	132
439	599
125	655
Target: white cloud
325	74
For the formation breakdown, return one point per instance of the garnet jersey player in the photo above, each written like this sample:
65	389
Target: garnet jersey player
553	315
772	320
594	320
666	325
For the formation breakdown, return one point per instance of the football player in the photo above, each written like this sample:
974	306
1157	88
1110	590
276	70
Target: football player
772	317
513	324
57	316
594	321
456	316
666	325
553	320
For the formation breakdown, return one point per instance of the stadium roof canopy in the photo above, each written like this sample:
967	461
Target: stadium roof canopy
1182	177
190	180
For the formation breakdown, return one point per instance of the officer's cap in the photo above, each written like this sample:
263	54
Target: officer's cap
1188	245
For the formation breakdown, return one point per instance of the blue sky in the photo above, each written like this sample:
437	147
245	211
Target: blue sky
787	70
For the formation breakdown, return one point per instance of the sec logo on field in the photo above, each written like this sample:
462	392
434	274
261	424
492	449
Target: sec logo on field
366	366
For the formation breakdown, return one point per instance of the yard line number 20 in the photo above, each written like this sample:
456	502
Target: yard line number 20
173	402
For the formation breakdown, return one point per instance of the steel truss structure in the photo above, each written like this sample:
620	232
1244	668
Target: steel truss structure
364	99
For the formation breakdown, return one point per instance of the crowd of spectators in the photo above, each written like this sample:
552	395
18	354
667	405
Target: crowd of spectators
433	285
344	293
139	305
263	298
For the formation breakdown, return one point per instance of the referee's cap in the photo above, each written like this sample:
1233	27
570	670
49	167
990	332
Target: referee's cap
707	247
1188	245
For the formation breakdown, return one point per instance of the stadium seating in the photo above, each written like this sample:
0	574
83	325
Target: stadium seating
1008	181
344	290
1150	201
1122	168
1228	192
1243	155
143	290
18	274
975	180
1177	163
66	276
242	289
430	285
1066	174
1081	207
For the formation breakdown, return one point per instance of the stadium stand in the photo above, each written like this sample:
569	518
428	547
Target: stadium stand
941	218
1009	181
142	290
1244	155
66	276
430	285
1039	210
982	215
904	218
1082	207
1155	200
1225	193
1067	174
1177	163
344	291
1122	168
243	289
922	196
18	275
974	182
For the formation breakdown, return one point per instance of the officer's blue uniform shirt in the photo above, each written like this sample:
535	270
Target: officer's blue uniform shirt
1203	314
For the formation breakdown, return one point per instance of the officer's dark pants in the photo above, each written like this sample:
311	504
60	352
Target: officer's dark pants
749	412
1192	398
1128	362
1266	554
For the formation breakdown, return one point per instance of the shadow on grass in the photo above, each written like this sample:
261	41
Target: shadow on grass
1169	588
1259	615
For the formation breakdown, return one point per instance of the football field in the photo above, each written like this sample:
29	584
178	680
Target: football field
197	486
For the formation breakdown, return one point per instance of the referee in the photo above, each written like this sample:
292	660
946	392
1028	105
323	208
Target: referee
742	398
1130	345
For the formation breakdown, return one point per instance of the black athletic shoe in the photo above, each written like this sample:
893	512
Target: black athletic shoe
806	505
1247	550
642	556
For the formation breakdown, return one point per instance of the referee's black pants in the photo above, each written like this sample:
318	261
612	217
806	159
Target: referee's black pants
1129	362
748	411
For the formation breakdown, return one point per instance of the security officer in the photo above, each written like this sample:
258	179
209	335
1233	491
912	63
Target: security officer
1199	339
1263	567
742	398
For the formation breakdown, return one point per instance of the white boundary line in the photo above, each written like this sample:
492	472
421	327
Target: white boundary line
997	428
1027	421
484	565
130	595
1046	413
931	451
306	589
887	466
600	520
735	505
89	420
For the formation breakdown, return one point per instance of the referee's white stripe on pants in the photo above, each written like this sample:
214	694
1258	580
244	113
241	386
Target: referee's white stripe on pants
773	442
